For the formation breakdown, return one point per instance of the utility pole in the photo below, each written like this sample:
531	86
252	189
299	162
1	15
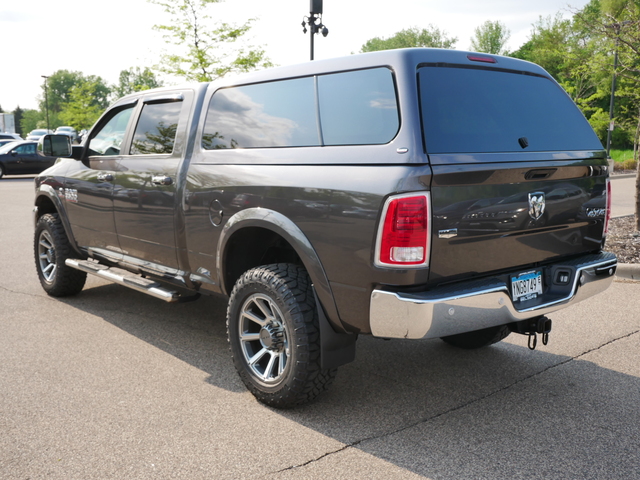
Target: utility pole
314	21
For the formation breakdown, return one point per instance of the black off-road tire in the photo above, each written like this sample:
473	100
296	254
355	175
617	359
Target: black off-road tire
479	338
51	249
272	317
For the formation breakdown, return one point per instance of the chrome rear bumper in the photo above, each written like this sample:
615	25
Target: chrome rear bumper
470	306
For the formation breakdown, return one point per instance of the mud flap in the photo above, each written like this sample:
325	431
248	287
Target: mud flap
336	348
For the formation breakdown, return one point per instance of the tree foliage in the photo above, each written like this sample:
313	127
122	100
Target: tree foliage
32	119
82	110
17	117
135	79
59	94
491	37
205	50
617	24
430	36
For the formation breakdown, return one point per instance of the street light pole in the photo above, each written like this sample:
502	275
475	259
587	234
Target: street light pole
315	15
46	100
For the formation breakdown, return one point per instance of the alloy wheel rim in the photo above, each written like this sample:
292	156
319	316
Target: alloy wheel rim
47	256
264	339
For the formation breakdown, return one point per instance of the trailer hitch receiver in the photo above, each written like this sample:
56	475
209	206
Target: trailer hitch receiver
532	327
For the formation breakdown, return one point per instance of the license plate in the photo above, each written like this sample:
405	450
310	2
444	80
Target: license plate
526	286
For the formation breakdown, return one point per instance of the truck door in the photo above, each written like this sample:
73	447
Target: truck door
145	201
89	188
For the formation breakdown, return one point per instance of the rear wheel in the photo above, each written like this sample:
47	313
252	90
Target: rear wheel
274	337
51	249
478	338
1	171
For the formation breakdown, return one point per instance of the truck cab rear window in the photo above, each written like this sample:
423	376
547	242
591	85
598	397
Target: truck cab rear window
350	108
472	110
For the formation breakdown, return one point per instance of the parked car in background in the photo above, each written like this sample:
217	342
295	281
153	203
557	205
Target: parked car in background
10	136
69	132
34	135
5	141
82	134
20	158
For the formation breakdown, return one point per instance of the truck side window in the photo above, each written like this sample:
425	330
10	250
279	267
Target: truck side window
275	114
358	108
156	129
109	138
353	108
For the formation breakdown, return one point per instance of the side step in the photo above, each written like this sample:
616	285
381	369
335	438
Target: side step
122	277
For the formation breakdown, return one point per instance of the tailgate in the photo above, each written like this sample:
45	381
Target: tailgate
508	216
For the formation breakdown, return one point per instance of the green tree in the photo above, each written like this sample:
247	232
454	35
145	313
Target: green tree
619	23
32	119
411	37
211	51
81	110
59	88
548	45
490	37
135	79
17	116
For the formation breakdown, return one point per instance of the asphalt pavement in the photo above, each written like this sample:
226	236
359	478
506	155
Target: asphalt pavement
113	384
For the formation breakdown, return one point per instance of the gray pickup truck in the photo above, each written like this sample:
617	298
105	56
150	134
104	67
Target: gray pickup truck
409	194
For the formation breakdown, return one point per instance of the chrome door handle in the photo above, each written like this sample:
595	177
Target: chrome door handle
161	180
105	177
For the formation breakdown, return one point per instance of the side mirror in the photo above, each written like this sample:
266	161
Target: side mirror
54	146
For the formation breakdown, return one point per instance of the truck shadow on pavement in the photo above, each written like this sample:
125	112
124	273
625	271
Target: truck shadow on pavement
423	406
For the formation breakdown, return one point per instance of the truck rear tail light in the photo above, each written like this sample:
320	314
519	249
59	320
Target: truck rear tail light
608	215
404	232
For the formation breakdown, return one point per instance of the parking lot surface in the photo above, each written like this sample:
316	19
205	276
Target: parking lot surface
114	384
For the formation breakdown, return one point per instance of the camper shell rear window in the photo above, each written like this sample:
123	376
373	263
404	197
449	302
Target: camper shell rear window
482	110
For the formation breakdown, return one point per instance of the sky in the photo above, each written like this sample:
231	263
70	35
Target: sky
41	37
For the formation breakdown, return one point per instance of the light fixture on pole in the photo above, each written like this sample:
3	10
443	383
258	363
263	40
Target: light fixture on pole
314	21
46	100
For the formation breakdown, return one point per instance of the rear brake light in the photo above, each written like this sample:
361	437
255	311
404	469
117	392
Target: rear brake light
481	58
404	231
608	214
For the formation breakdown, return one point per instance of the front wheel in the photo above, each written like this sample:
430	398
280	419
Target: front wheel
478	338
274	337
51	249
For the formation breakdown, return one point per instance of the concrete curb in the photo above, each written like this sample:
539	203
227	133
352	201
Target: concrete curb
630	271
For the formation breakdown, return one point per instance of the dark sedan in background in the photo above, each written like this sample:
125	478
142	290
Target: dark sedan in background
19	158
